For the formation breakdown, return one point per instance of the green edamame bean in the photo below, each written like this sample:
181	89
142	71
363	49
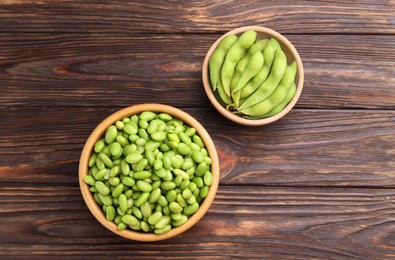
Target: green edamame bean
160	231
194	147
184	184
110	213
175	207
100	174
93	189
123	202
142	175
118	219
195	193
276	97
183	149
105	159
111	134
164	221
115	171
235	53
118	190
164	147
119	125
176	216
143	124
192	186
179	222
147	115
150	157
144	226
130	220
176	161
128	181
102	188
208	178
178	180
184	138
158	164
201	169
142	199
122	226
171	195
128	193
153	127
92	160
190	131
186	194
128	149
115	149
146	209
99	146
167	185
155	218
197	140
97	199
106	199
199	181
158	136
141	141
122	140
181	173
152	145
203	192
142	133
137	212
144	186
89	180
134	157
155	195
197	156
162	201
130	128
181	200
218	57
191	209
125	167
267	88
165	117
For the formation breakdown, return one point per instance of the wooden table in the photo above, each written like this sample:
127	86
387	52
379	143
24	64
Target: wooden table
318	184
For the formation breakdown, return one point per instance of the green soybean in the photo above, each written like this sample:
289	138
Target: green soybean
118	190
267	88
164	221
179	222
110	213
191	209
146	209
175	207
134	157
235	53
147	115
130	220
218	57
254	66
142	199
111	134
276	97
160	231
89	180
142	175
167	185
102	188
154	195
155	218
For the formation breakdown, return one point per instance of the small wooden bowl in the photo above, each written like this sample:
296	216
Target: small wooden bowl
290	52
99	132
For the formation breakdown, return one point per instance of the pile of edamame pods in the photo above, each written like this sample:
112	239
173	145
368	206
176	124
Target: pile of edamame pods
149	172
251	76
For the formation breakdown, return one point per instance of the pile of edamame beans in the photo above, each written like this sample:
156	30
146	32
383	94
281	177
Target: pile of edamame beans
251	76
149	172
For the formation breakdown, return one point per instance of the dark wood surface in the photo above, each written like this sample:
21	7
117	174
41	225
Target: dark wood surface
318	184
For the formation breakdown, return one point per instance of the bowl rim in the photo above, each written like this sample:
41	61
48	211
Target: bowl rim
250	122
99	131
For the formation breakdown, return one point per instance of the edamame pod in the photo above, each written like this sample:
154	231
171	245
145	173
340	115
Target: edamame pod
235	53
254	66
276	97
217	58
270	84
255	82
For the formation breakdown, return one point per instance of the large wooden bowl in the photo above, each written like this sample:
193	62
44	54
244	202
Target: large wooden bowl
99	132
290	52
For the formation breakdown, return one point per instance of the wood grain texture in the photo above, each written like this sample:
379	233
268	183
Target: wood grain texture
305	148
128	17
341	71
284	223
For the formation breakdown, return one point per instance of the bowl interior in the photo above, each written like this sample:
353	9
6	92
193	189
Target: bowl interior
99	132
291	54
